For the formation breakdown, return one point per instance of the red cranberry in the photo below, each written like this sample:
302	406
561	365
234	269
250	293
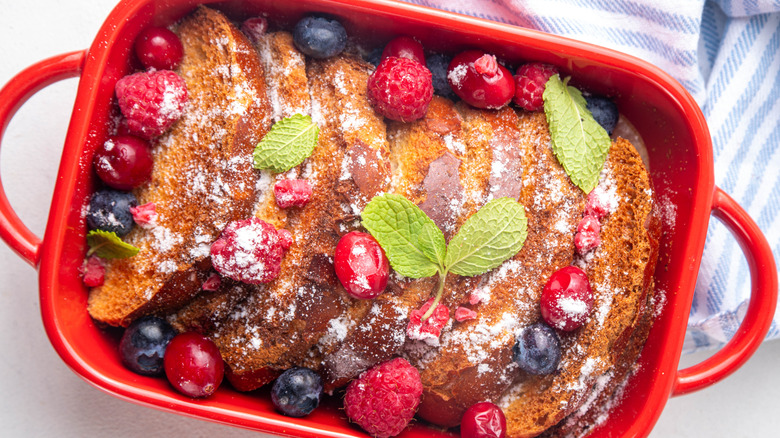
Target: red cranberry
361	265
480	81
193	365
292	192
483	420
567	299
255	28
405	47
124	162
158	48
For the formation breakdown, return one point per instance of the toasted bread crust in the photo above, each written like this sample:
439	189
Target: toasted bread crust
202	177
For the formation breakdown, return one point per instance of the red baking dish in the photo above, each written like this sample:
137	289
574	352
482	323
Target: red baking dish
673	128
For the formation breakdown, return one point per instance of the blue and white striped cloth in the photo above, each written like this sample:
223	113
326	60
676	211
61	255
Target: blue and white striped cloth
727	54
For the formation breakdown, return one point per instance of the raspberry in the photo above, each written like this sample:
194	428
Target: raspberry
212	283
383	400
464	314
93	271
529	85
285	238
292	193
400	89
597	204
587	237
248	250
145	215
152	101
430	329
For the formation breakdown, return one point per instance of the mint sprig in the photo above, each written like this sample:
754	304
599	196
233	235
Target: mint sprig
416	247
578	141
108	245
287	144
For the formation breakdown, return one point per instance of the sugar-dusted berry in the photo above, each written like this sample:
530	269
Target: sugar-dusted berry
587	237
567	299
248	250
145	215
400	89
478	79
405	47
285	238
530	81
151	101
464	314
292	192
193	365
538	349
429	330
296	393
123	162
383	399
319	37
361	265
483	420
158	48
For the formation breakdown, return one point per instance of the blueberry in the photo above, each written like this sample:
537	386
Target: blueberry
374	57
604	110
109	210
143	345
437	64
538	349
319	37
297	392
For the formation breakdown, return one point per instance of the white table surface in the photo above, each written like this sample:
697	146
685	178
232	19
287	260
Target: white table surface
41	397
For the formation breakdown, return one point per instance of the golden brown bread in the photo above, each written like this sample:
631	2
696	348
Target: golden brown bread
202	177
280	322
449	163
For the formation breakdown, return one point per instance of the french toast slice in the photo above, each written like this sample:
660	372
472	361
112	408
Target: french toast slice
620	271
280	322
433	163
202	177
288	94
474	361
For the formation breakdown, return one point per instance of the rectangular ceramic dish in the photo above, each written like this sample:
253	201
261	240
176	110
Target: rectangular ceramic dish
673	128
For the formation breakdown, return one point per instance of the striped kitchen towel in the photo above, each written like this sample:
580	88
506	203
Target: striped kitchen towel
727	54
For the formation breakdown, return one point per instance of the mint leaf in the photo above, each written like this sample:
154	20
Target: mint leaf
432	242
108	245
490	236
287	144
409	237
578	141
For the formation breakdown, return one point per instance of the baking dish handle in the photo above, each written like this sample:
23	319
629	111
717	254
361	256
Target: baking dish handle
761	309
16	92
